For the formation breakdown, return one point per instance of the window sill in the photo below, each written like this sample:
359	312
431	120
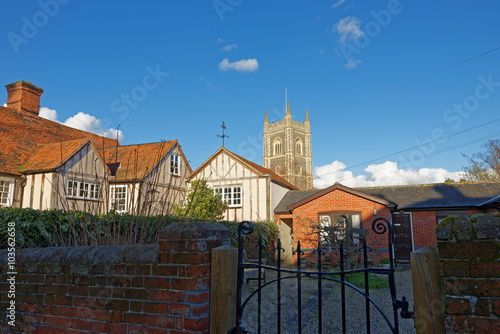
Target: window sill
83	199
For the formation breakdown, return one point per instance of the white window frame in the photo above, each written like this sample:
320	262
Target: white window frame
231	195
329	218
112	193
93	191
10	192
175	169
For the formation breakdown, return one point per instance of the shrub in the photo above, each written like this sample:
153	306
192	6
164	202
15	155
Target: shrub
58	228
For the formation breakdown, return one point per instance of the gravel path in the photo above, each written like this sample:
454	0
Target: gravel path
331	305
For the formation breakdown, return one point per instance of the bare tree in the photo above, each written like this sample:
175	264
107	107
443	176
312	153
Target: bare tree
334	232
484	166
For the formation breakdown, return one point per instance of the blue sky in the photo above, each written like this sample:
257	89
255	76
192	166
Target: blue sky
177	69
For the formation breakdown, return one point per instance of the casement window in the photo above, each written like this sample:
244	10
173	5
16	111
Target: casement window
118	198
83	190
175	164
230	195
333	226
6	193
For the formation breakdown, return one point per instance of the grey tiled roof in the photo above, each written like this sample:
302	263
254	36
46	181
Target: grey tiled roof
421	196
439	195
291	197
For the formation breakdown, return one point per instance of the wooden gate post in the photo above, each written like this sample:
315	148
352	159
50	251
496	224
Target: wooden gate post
427	291
224	279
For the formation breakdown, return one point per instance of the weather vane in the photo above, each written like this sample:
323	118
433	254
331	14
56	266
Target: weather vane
223	126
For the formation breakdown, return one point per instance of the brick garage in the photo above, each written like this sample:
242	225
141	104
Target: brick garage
338	200
423	205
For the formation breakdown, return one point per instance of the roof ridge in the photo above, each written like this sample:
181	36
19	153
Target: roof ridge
141	144
427	185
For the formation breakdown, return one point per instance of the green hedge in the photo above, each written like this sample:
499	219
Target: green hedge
56	228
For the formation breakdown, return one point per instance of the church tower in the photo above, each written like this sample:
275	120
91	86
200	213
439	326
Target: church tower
287	149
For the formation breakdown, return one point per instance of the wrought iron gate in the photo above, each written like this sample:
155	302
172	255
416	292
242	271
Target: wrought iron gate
379	225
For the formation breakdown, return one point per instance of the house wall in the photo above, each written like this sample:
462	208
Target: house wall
226	171
423	228
47	190
305	216
39	191
84	166
171	188
277	194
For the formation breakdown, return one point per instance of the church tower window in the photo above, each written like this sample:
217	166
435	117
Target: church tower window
298	146
277	147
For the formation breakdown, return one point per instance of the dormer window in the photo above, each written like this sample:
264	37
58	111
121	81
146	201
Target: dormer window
113	167
175	164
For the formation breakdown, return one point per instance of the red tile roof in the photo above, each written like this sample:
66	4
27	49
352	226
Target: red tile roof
21	133
50	156
137	161
257	168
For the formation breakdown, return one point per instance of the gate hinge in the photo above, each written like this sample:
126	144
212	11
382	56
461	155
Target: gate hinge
404	305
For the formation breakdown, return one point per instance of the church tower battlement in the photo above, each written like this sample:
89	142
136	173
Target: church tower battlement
287	149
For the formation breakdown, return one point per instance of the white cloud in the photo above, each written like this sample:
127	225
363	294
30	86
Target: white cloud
352	63
5	105
244	65
338	3
348	29
219	40
48	114
82	121
384	174
229	47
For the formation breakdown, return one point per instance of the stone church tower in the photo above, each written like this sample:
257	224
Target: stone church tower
287	149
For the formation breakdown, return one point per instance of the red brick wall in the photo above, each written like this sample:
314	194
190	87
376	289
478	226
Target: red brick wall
116	289
337	200
423	228
469	254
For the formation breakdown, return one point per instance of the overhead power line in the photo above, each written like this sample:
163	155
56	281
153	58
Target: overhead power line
415	147
430	154
408	84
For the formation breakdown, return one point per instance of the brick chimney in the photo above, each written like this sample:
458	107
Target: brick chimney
23	95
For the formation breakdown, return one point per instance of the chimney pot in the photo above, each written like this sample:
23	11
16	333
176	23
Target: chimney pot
24	96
